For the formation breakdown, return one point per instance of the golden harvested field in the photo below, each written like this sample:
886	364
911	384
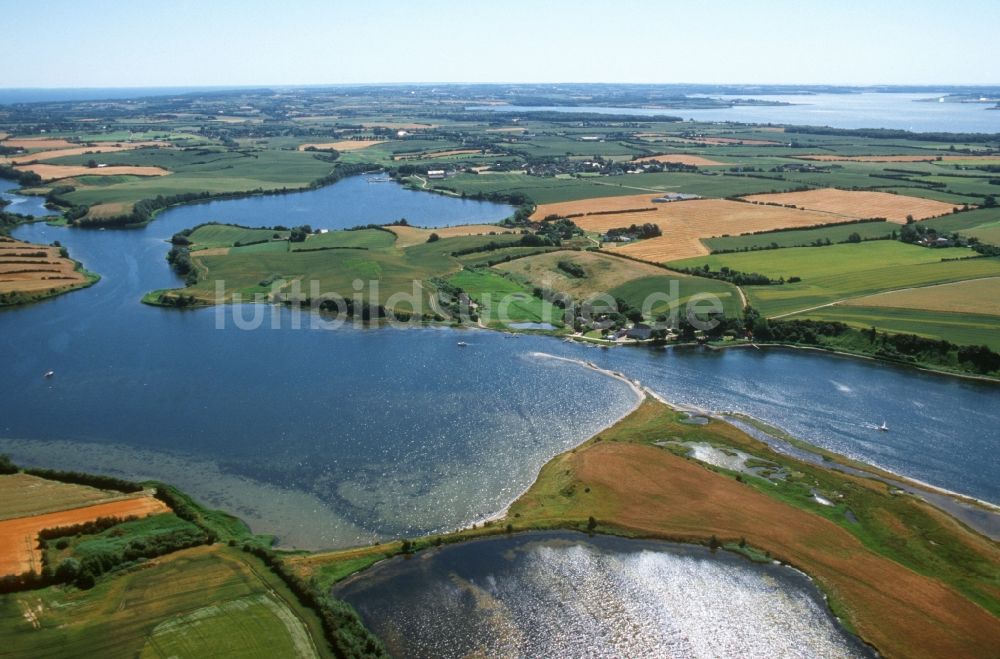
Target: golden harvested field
102	211
40	143
651	491
81	150
407	236
22	271
19	550
55	172
23	494
980	296
683	223
682	158
604	272
343	145
435	154
859	204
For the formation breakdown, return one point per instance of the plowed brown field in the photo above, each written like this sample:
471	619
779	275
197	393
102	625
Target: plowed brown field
19	550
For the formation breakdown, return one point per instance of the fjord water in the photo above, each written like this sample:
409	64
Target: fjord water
867	110
566	594
22	204
330	438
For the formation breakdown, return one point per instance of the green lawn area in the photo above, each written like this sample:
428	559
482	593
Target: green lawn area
502	300
203	602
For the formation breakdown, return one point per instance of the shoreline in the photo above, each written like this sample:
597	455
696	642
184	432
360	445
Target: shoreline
637	390
913	486
858	355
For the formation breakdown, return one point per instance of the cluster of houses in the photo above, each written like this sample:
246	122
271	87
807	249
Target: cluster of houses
934	240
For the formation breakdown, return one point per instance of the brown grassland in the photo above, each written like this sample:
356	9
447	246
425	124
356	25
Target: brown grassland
859	204
683	223
39	143
632	485
682	158
19	550
101	211
409	236
343	145
604	272
55	172
23	494
980	296
21	271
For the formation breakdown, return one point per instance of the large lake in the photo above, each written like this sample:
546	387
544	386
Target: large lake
868	110
331	438
566	594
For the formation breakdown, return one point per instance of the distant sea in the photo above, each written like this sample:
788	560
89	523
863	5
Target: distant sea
39	95
866	110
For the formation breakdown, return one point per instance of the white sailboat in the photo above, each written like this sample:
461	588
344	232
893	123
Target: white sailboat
883	427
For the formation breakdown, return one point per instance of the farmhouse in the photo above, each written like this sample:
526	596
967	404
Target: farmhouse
435	173
640	332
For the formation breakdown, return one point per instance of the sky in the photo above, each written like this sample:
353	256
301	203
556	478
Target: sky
141	43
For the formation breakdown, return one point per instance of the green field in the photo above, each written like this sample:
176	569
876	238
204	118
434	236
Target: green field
801	237
689	291
202	602
958	328
209	236
364	239
502	300
216	171
334	261
964	222
845	271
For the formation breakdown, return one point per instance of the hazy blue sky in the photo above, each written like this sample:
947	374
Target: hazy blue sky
85	43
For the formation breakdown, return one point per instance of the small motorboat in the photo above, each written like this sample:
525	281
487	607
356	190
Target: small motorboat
883	427
48	374
462	343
